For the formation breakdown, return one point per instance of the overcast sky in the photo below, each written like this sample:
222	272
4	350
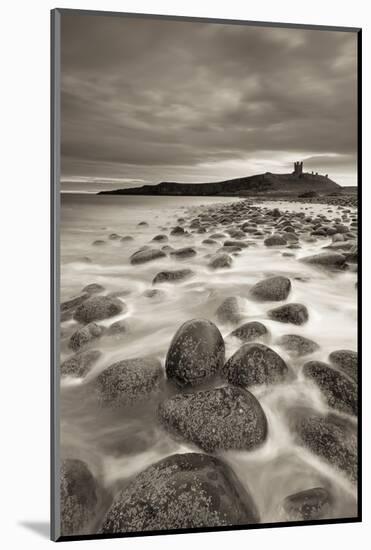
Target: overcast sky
150	100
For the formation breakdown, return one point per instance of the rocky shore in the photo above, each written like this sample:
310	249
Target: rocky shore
209	393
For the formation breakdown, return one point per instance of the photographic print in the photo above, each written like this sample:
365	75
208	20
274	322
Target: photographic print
205	243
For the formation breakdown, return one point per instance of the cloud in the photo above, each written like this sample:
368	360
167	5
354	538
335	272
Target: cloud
150	99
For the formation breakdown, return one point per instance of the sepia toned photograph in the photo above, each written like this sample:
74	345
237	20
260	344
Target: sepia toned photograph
206	186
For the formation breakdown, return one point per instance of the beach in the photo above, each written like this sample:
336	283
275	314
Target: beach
163	262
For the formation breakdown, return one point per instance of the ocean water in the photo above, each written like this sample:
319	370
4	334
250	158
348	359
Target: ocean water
117	444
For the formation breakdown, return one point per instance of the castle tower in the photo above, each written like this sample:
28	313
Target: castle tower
298	168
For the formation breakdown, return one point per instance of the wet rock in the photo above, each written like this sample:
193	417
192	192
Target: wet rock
97	308
297	314
154	293
143	224
73	303
93	288
114	237
117	329
340	392
80	364
127	238
254	364
99	242
271	289
129	381
182	491
181	253
148	255
172	276
217	419
220	261
325	259
346	361
85	335
250	331
196	353
229	311
307	505
178	230
298	345
160	238
210	242
275	240
78	497
238	244
332	438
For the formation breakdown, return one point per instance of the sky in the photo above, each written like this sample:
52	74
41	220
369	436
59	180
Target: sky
146	100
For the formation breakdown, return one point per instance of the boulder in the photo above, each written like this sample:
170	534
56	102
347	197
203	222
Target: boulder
73	303
182	491
332	438
254	364
97	308
160	238
229	311
315	503
346	361
326	259
220	261
272	289
250	332
85	335
217	419
172	276
93	288
80	364
148	255
275	240
340	392
297	314
178	230
181	253
196	353
298	345
129	381
117	329
78	497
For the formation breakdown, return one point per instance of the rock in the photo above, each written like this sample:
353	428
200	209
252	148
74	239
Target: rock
229	311
307	505
326	259
210	242
217	419
85	335
346	361
220	261
272	289
160	238
172	276
148	255
275	240
93	288
182	491
127	238
196	353
340	392
298	345
332	438
117	329
99	242
250	331
238	244
73	303
129	381
78	497
186	252
154	293
297	314
80	364
177	231
254	364
97	308
143	224
114	236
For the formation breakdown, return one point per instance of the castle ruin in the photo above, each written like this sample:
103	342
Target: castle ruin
298	169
